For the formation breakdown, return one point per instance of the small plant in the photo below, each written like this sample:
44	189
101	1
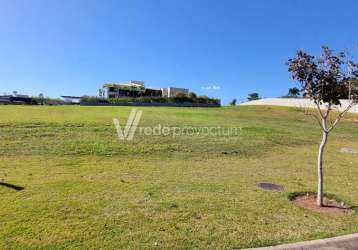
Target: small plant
46	100
41	99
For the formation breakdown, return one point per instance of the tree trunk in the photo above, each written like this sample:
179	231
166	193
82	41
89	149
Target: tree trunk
320	168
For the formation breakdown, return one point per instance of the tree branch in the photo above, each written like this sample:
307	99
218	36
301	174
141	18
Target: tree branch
319	110
341	115
316	116
328	110
323	117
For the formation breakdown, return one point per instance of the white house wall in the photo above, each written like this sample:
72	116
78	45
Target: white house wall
297	102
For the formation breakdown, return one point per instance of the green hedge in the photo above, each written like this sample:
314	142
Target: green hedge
184	99
48	101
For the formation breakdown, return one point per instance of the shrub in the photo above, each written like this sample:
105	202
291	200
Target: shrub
123	100
192	95
47	101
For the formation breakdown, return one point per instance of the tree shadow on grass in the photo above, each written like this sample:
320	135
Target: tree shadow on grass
18	188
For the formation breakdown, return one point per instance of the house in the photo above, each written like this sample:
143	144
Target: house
5	99
71	99
129	89
22	99
18	99
172	92
152	92
138	89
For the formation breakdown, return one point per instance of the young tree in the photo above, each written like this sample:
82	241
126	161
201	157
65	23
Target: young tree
41	98
325	80
293	92
233	102
253	97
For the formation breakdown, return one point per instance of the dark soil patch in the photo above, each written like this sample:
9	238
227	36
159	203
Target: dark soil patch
270	186
331	206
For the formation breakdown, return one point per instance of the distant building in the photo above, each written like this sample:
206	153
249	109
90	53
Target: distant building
18	99
71	99
152	92
21	96
129	89
138	89
126	89
5	99
172	92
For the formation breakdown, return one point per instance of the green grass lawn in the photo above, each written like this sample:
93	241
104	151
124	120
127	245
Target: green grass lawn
83	188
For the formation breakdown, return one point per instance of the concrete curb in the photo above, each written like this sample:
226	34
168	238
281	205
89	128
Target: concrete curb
347	242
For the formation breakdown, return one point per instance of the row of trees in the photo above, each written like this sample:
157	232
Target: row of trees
251	97
292	93
32	100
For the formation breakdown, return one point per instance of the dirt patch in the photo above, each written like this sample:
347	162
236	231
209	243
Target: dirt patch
270	186
349	150
331	207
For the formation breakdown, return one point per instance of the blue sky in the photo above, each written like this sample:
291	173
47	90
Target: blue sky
71	47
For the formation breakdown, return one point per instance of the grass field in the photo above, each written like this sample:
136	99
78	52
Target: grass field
83	188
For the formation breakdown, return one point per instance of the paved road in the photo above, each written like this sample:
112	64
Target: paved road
348	242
